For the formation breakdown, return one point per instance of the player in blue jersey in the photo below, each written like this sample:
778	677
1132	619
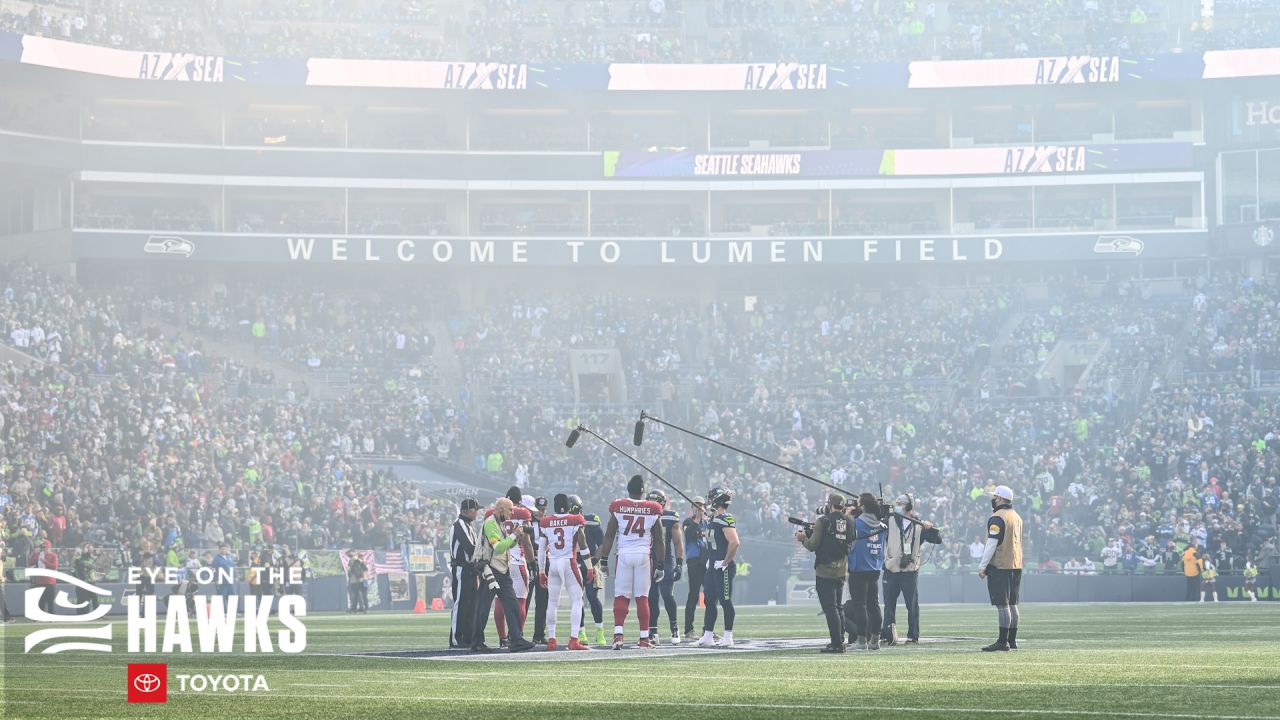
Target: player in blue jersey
722	546
672	569
595	536
695	528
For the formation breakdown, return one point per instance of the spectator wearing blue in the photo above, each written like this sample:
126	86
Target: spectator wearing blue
224	569
866	560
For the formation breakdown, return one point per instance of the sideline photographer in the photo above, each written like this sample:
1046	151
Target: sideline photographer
492	560
866	558
902	569
830	539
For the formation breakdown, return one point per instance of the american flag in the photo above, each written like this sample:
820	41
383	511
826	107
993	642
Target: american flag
394	562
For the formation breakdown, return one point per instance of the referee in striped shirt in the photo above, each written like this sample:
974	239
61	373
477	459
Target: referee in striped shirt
465	578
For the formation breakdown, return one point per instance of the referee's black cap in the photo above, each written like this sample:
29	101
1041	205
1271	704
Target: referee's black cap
469	504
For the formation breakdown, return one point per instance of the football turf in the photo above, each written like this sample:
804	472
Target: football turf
1077	660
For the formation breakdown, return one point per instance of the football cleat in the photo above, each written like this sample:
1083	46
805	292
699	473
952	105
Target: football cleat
617	641
600	637
725	642
582	636
576	644
996	647
551	643
675	638
644	644
502	643
1013	644
707	640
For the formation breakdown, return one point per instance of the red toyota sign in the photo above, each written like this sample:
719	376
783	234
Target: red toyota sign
148	683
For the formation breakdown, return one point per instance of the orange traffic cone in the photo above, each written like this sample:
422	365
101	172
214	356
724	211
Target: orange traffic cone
437	603
420	606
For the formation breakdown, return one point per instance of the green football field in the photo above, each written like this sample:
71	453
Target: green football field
1077	660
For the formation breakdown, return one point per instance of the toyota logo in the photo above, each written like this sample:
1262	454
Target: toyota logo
146	683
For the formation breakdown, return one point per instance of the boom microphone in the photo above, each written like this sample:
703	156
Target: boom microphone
637	437
573	438
645	416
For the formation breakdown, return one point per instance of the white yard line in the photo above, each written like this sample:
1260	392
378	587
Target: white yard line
578	701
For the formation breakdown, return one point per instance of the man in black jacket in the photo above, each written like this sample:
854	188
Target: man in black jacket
464	575
357	584
82	568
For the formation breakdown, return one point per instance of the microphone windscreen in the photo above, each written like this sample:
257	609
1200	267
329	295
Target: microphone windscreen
637	437
573	438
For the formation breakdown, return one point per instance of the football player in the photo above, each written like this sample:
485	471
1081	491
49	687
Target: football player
595	537
632	522
722	546
560	539
672	569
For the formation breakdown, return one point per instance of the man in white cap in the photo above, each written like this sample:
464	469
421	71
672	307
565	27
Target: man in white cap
1001	565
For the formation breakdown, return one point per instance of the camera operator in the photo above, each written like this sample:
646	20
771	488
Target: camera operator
866	558
830	539
902	569
695	529
463	545
493	562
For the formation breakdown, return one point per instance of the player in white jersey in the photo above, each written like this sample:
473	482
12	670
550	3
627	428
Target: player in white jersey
637	544
560	540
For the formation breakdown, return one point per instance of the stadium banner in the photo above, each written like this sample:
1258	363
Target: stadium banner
10	46
936	162
1060	70
451	75
633	252
1258	62
778	76
63	55
754	76
398	586
422	558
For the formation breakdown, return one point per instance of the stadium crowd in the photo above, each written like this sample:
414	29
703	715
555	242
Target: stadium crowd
637	31
116	434
854	389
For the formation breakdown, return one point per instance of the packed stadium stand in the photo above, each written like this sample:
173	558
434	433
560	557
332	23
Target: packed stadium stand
667	31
